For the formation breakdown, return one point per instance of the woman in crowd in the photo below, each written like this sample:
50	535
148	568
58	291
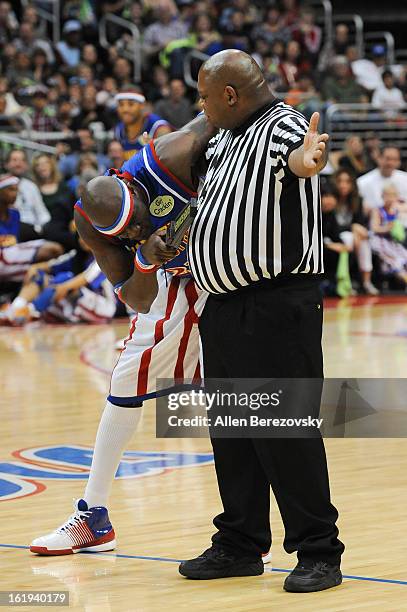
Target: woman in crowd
354	158
57	198
353	225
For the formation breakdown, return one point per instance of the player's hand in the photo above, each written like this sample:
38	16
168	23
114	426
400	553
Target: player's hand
145	138
61	291
314	143
155	251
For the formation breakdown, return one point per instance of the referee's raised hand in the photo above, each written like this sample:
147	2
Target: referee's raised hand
314	143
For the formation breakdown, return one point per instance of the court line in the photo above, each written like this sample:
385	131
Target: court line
167	560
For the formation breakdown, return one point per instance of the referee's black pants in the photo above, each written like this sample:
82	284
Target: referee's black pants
271	329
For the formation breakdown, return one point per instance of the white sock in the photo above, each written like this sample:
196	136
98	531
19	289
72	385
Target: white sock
19	302
115	431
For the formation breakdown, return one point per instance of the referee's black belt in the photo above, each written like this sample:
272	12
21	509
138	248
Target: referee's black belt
298	281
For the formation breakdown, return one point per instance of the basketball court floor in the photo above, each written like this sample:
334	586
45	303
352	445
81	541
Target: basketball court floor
53	383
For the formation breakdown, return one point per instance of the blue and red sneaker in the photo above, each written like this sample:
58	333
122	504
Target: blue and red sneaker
86	529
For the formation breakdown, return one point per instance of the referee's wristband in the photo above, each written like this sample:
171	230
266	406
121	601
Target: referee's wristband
142	264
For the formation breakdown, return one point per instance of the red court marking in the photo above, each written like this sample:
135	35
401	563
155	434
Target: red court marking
40	488
402	334
85	359
365	300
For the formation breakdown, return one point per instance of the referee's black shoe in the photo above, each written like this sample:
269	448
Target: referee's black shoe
216	562
310	576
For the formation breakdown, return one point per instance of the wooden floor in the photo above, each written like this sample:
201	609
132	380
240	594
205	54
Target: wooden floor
53	383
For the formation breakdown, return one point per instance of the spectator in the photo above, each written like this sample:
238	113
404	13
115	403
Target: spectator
87	169
69	48
40	65
353	226
385	242
388	98
16	258
177	109
134	121
341	39
160	87
19	73
341	87
371	185
90	57
28	42
366	72
29	202
8	23
115	154
65	113
206	38
166	28
272	29
85	143
122	72
106	94
42	114
293	64
308	34
304	96
354	159
236	32
30	15
90	112
57	198
337	281
260	52
373	149
11	106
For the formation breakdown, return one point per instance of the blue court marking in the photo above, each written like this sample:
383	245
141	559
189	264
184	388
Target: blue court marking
166	559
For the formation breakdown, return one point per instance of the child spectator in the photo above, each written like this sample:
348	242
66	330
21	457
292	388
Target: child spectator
389	234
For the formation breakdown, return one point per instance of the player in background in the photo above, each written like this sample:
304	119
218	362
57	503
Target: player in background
135	120
71	288
16	257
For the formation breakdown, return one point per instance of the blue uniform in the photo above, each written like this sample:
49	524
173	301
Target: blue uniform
10	229
166	198
151	124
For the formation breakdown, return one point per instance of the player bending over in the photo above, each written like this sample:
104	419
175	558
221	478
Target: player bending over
115	215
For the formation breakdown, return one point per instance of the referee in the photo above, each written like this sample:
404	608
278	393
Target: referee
256	247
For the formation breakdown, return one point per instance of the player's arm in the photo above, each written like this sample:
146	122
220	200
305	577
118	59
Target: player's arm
181	151
137	290
162	131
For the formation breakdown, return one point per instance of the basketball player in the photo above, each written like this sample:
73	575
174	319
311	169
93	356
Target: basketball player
135	121
71	288
115	215
16	257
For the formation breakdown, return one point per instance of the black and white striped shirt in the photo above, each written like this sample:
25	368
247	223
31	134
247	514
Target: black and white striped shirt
255	218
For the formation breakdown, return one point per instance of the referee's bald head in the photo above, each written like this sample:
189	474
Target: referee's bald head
232	87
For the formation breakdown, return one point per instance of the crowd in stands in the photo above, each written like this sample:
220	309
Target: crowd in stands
88	94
